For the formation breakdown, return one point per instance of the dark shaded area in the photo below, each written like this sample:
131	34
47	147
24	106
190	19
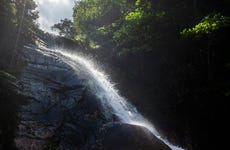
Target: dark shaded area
10	102
179	91
182	88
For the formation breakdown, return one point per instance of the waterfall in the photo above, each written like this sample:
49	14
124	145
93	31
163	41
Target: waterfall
99	83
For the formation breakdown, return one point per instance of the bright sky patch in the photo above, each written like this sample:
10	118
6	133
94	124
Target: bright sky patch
52	11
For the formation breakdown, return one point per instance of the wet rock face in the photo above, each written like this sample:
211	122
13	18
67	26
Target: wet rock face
118	136
61	113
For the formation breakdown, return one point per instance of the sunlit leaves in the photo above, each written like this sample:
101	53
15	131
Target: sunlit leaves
130	32
207	25
93	45
95	20
104	30
13	9
80	37
135	16
138	2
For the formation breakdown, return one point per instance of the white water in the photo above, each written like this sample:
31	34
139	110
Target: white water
104	89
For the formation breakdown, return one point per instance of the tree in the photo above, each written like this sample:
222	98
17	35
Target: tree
18	27
95	20
26	17
65	28
208	25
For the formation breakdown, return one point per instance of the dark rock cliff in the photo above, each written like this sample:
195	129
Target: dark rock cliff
62	113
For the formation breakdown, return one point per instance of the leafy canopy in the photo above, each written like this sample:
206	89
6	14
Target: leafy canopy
65	28
207	25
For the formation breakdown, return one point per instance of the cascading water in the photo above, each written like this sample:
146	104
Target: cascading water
104	89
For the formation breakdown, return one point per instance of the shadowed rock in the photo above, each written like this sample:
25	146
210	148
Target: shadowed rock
61	113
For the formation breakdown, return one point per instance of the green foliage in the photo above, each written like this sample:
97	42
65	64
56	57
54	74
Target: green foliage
13	9
138	2
26	20
135	16
80	37
93	45
139	26
65	28
208	25
97	22
122	32
123	24
135	31
102	30
18	26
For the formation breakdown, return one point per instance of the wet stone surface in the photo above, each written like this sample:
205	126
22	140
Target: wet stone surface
60	112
